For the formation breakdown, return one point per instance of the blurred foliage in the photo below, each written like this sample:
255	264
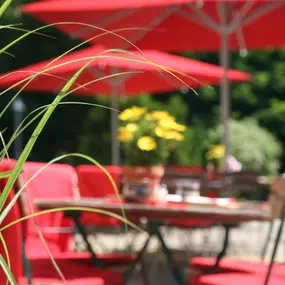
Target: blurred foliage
87	129
255	147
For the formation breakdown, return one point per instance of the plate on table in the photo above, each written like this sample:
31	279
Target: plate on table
199	200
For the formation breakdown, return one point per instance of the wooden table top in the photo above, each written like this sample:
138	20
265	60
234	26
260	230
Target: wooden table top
164	211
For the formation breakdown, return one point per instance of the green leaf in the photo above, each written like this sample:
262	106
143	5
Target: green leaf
5	174
7	271
4	6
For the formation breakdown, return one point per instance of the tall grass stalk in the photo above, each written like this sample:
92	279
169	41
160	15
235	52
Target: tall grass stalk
43	114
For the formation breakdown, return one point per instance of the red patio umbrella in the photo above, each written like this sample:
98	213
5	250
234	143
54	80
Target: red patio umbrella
175	25
149	79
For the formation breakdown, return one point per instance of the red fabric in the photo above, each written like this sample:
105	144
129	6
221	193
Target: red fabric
145	77
73	269
185	34
94	183
229	265
76	281
234	279
57	181
12	236
84	258
54	182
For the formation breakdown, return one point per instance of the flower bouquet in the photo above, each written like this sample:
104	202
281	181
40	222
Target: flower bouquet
147	139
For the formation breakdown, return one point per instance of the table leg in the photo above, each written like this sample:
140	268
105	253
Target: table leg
75	216
130	270
265	247
223	252
177	274
274	250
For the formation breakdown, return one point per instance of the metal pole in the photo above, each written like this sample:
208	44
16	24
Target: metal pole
225	85
114	126
18	107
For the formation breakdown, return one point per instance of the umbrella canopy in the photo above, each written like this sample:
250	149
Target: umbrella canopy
151	79
175	25
143	76
170	25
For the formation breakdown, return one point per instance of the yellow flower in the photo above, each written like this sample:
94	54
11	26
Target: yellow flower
216	152
132	127
167	123
159	115
160	132
124	135
134	114
179	127
172	135
146	143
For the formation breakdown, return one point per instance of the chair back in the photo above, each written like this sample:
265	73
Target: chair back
94	183
56	181
276	198
12	235
243	181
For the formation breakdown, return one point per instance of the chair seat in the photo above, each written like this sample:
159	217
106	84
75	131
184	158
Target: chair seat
234	279
228	265
72	270
85	258
58	281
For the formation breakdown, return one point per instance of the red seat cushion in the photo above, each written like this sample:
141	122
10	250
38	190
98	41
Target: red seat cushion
85	281
228	265
84	258
72	269
234	279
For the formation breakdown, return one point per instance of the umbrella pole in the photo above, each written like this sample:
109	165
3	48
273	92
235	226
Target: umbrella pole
225	84
115	148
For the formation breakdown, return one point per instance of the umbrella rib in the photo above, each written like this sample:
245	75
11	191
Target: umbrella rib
204	17
240	15
106	21
195	19
151	25
266	8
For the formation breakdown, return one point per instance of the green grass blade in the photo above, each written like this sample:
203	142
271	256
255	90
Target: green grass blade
6	210
7	271
6	250
5	174
42	109
68	209
4	6
25	153
4	145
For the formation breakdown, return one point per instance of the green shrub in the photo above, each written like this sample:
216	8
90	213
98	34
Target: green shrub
255	147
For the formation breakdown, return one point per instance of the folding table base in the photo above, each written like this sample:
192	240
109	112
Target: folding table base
153	228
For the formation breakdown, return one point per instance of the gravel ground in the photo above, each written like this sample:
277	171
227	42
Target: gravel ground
246	243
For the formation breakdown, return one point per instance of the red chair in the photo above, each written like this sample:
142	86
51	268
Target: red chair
94	183
234	279
57	181
13	238
230	265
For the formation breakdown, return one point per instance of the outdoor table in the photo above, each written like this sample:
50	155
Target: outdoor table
156	213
